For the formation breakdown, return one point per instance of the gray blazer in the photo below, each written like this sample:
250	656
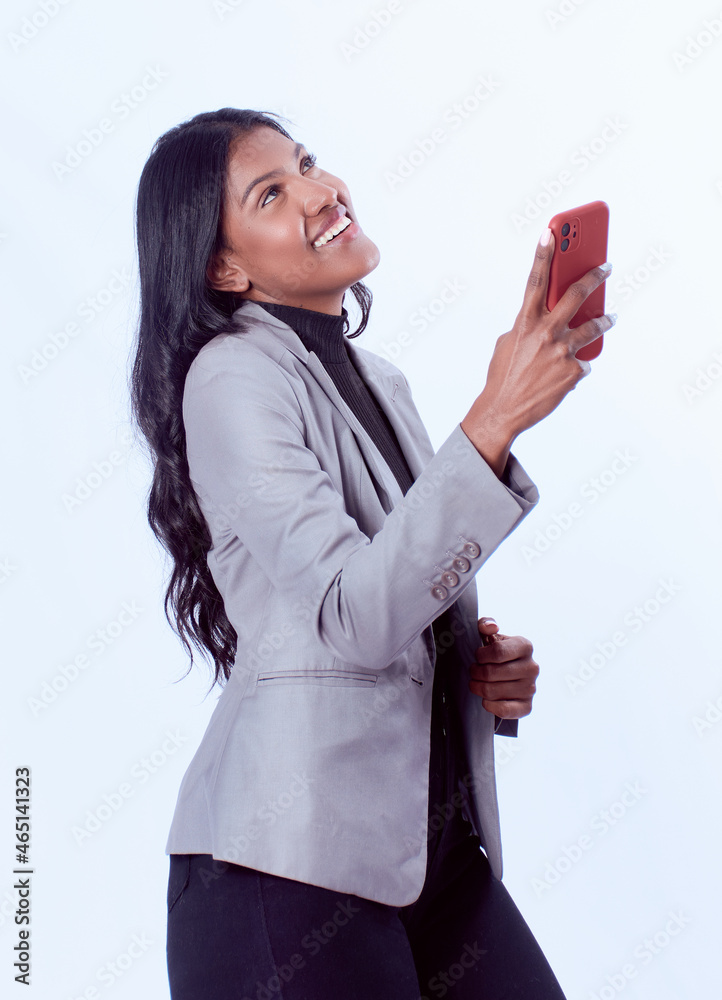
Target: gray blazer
315	762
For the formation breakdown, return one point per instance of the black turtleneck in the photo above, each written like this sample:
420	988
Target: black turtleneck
320	332
323	334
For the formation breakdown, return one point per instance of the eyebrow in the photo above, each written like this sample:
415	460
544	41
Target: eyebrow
271	173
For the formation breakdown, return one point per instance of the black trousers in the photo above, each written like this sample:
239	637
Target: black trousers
239	934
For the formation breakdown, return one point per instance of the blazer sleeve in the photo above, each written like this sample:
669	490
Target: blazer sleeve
257	479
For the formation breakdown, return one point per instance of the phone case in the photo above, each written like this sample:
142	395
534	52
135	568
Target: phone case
586	239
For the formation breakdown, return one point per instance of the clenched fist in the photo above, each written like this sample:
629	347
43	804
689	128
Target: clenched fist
504	673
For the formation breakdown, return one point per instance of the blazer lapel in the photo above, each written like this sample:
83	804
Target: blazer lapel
386	485
390	391
395	399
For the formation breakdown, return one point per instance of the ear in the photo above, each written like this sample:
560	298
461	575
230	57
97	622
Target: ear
225	275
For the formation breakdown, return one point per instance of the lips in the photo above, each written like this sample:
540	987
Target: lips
331	221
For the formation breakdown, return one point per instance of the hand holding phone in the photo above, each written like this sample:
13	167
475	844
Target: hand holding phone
580	243
529	375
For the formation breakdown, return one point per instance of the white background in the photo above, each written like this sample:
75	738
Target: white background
364	97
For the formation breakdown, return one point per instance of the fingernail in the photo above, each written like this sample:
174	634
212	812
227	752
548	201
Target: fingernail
545	237
605	267
613	317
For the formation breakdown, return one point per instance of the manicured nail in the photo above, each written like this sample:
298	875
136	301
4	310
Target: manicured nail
605	267
613	317
545	237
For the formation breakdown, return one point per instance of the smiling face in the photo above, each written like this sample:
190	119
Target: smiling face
280	216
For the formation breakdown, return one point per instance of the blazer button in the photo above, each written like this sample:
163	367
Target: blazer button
463	565
439	592
472	549
449	578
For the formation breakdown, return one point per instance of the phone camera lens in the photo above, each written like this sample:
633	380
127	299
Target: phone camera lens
565	229
565	244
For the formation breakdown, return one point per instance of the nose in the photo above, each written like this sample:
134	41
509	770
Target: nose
317	195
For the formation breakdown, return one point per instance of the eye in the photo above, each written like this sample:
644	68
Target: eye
307	163
271	190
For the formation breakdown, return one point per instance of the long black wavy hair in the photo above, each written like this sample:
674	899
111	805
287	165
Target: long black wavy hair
179	229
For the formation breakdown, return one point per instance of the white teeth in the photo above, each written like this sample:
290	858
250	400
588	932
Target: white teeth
333	231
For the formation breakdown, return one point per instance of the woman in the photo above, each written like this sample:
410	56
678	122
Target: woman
327	838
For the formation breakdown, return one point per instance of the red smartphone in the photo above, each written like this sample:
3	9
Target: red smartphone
580	243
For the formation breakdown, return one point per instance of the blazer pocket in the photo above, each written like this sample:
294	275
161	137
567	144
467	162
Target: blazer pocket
332	678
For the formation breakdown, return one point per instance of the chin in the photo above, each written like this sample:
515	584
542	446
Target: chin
371	260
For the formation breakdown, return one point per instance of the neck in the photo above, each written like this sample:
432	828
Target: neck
331	305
